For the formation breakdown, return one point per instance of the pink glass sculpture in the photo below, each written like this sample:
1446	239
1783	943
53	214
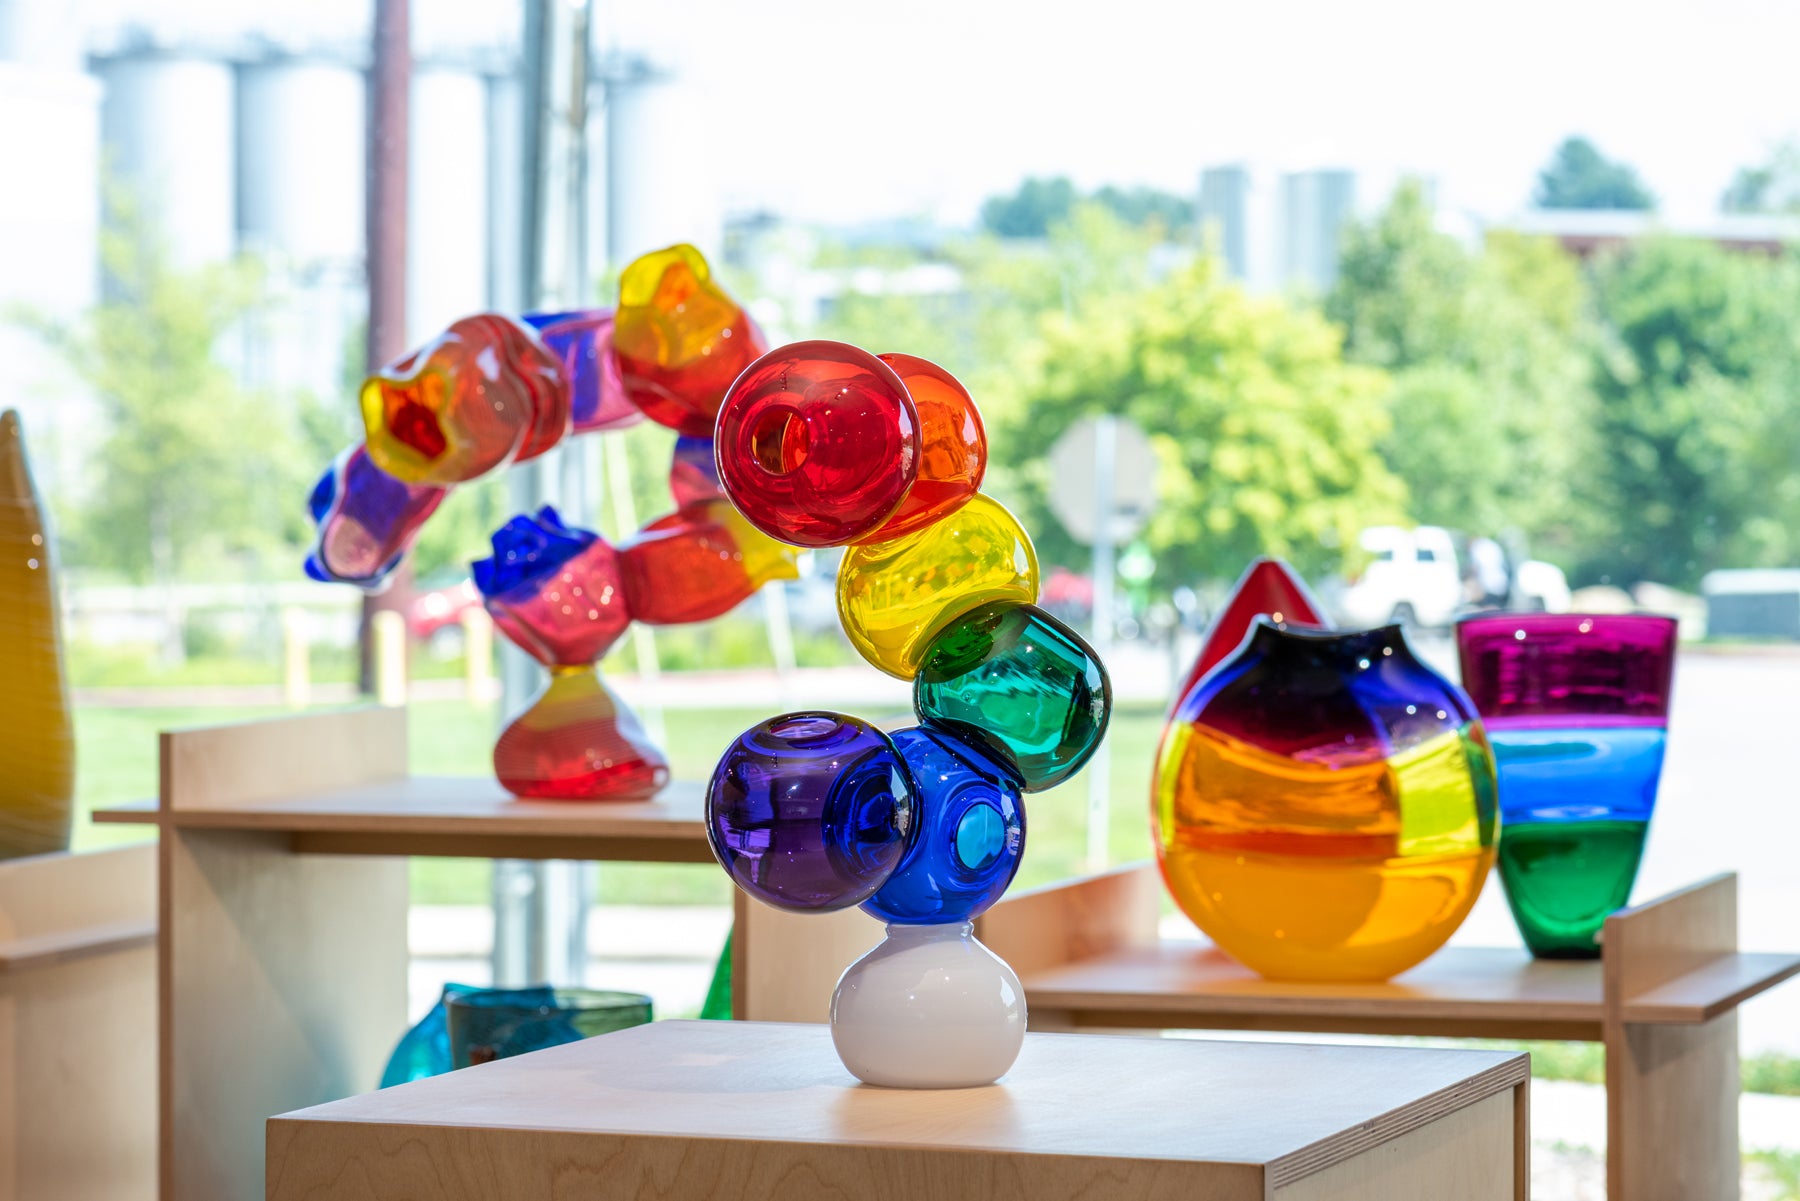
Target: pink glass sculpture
557	592
489	392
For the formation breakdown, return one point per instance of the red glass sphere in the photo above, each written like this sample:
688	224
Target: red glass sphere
818	443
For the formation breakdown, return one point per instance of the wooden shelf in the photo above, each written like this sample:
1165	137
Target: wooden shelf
1715	988
1467	993
752	1110
22	954
460	816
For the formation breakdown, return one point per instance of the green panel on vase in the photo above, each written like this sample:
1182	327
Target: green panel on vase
1563	878
1022	685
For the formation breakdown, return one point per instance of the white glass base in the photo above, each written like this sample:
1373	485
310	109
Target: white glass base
928	1008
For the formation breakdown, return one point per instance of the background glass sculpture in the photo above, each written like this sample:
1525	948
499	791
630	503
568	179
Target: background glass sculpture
1325	805
498	1023
489	392
37	741
1577	705
824	444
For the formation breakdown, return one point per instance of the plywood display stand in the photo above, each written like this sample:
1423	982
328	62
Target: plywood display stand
737	1111
1663	1001
283	896
78	1026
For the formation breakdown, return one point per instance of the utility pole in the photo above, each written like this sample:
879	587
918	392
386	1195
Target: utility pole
390	86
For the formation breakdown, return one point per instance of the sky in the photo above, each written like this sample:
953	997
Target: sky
849	111
837	110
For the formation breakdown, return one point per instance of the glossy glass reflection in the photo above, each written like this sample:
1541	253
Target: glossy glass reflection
680	339
895	597
482	394
811	811
971	833
952	447
365	519
1268	588
1577	706
1020	684
581	340
1325	805
818	443
698	563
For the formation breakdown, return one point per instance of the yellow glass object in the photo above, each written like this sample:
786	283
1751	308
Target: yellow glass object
37	745
680	339
1325	806
895	597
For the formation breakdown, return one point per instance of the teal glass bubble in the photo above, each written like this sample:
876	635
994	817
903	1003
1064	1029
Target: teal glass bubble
1019	684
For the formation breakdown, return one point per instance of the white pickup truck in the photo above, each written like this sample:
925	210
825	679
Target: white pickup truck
1416	577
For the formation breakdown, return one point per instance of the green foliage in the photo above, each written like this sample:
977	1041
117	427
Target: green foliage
1771	187
1041	204
1698	425
1488	390
197	471
1578	176
1267	438
1030	211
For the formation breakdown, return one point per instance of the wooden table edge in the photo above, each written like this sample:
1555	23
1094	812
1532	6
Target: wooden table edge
1512	1071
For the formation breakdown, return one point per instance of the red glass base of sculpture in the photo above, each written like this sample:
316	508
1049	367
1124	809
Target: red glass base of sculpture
579	742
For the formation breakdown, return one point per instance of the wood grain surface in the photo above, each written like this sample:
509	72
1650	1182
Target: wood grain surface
714	1109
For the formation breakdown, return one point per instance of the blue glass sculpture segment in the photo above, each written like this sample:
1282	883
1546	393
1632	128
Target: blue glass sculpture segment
811	811
527	550
971	834
425	1049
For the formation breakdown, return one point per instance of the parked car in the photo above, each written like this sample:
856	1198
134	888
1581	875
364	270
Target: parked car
435	617
1422	577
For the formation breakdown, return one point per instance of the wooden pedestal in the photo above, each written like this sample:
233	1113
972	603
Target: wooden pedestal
78	1026
737	1111
1663	1001
283	891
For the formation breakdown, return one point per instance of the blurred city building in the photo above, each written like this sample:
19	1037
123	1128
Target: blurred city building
242	130
1277	230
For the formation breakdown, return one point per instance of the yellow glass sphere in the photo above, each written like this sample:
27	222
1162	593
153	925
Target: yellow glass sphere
894	597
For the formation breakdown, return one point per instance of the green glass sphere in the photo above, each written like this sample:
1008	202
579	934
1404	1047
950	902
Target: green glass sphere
1021	684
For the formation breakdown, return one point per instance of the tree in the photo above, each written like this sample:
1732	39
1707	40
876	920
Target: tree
1267	438
1699	428
192	470
1578	176
1772	187
1488	375
1144	206
1030	211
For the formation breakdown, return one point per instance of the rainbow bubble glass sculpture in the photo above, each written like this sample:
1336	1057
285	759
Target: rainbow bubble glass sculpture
823	444
1325	804
1577	705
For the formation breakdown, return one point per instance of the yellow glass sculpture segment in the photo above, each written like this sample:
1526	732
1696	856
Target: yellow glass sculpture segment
37	745
894	597
1305	829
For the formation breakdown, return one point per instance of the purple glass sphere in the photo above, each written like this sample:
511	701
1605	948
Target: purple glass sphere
811	811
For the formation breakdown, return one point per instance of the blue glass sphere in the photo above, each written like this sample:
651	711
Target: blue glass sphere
970	837
811	811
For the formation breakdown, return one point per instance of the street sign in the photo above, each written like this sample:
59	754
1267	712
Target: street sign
1078	462
1103	487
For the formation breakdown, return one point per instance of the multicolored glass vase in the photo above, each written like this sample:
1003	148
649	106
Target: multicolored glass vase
823	444
1325	804
1577	705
